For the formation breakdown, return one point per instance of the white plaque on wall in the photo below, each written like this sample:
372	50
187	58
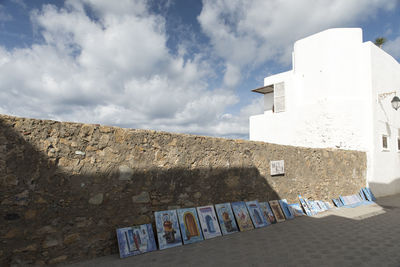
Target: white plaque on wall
277	167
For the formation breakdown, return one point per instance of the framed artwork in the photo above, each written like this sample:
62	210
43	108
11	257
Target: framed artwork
208	221
276	209
306	208
135	240
314	207
256	214
343	200
286	210
296	209
361	193
242	216
367	195
268	214
373	198
277	167
321	205
327	205
226	218
167	225
338	203
190	225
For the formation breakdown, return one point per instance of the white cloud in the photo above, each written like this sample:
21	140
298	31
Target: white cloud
248	33
112	67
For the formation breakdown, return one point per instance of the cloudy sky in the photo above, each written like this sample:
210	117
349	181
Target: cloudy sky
175	65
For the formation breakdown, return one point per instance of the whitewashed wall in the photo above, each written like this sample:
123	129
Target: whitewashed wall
331	102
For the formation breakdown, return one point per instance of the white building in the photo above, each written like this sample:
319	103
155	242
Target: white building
338	95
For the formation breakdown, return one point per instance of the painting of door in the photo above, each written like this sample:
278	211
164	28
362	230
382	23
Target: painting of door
190	224
210	224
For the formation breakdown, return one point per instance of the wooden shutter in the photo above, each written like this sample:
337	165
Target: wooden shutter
279	97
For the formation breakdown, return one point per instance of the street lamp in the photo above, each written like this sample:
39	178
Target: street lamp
395	102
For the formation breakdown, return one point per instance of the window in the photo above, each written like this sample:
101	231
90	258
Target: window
398	144
279	97
385	142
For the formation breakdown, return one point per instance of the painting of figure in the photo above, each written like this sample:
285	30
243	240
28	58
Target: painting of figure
208	222
256	214
296	209
167	229
286	210
135	240
190	226
242	216
268	214
276	209
226	218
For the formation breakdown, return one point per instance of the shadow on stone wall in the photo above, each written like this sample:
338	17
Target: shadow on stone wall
49	215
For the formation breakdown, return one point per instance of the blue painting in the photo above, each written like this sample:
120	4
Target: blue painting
305	206
268	214
256	214
296	209
226	218
209	222
285	208
135	240
190	225
368	194
242	216
361	193
167	229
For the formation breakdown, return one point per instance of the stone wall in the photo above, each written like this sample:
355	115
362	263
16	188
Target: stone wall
66	187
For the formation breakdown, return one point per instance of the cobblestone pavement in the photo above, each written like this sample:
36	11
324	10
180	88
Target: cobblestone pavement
362	236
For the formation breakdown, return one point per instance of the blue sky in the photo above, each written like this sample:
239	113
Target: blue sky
179	65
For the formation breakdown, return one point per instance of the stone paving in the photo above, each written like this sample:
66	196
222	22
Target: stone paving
362	236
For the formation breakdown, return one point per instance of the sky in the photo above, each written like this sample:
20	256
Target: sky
185	66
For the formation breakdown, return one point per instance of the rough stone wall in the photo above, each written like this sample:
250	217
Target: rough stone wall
66	187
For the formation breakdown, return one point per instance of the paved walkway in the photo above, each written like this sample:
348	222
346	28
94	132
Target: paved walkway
361	236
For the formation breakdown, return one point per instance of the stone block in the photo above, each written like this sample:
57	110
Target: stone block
125	173
143	197
96	199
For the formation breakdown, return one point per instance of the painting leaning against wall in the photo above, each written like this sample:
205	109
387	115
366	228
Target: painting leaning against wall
167	229
190	226
242	216
268	214
276	209
208	221
226	218
256	214
135	240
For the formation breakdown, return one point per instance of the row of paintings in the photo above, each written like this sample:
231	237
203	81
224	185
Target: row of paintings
364	196
190	225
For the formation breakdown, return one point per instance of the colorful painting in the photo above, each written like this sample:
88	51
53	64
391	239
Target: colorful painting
306	208
286	210
361	193
135	240
370	193
296	209
268	214
242	216
167	229
209	222
256	214
190	226
226	218
276	209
